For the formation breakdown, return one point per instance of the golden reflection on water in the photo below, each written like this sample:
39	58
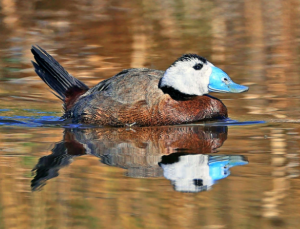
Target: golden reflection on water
256	42
91	194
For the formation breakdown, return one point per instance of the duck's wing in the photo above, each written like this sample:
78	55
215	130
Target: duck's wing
130	85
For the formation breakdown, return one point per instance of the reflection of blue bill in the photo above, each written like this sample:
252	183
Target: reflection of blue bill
219	165
198	172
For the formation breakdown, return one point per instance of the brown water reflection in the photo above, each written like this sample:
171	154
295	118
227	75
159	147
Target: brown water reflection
90	194
176	152
256	42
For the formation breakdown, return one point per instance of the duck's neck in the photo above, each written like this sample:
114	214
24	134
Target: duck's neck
176	94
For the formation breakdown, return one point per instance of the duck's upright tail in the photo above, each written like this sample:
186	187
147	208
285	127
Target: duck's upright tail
67	87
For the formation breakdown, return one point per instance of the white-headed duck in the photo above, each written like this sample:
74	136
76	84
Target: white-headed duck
141	96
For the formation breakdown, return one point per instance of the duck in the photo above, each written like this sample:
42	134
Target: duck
141	96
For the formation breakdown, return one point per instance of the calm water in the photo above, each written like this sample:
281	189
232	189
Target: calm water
214	175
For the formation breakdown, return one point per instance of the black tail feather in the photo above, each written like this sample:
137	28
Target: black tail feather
54	75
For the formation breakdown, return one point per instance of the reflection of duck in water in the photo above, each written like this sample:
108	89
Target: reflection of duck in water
144	97
195	173
139	151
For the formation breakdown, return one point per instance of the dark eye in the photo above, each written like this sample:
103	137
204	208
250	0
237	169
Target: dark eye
225	79
198	66
198	182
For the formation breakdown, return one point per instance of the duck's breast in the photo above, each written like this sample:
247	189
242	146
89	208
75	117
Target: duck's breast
196	109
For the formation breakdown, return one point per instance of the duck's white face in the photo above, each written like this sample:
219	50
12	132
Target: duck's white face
193	75
189	75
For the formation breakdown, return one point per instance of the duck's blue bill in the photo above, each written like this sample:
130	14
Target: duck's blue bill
219	81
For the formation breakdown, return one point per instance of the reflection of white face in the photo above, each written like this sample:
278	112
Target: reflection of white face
189	75
189	174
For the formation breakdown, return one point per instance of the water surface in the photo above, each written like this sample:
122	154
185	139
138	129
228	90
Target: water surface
238	173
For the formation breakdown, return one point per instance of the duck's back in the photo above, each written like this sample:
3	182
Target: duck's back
126	98
130	86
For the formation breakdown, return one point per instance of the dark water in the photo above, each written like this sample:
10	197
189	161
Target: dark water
238	173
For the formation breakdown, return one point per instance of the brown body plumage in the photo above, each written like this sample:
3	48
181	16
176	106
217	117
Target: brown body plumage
130	97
